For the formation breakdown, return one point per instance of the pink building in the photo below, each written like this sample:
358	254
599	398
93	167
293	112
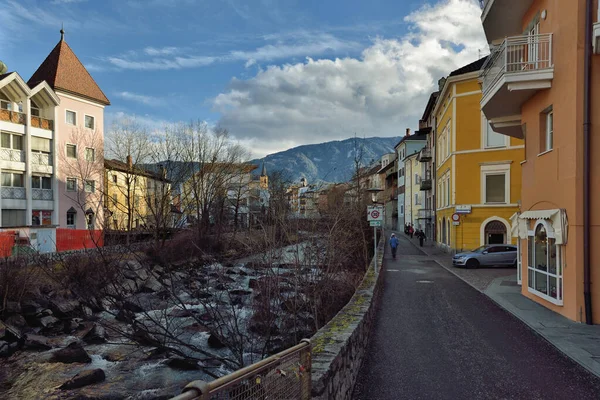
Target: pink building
51	155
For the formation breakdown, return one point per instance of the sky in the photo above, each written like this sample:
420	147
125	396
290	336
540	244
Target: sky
275	73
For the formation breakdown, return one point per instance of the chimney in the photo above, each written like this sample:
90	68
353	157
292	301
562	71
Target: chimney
129	162
407	131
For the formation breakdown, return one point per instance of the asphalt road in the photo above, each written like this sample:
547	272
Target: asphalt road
438	338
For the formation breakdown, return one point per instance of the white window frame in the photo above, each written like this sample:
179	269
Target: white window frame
85	186
66	119
496	169
67	153
549	134
41	186
93	121
559	264
67	184
93	154
485	124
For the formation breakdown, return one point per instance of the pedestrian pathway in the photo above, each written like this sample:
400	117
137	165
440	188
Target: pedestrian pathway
578	341
435	337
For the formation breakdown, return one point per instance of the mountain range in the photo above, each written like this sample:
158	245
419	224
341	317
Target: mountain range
326	162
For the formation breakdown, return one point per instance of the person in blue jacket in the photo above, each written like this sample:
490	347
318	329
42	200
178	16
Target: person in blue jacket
394	244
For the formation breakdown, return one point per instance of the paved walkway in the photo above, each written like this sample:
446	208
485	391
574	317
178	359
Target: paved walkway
436	337
578	341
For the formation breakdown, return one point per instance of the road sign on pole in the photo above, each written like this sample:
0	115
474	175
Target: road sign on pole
374	213
375	223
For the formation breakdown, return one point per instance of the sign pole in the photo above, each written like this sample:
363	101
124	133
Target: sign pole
375	240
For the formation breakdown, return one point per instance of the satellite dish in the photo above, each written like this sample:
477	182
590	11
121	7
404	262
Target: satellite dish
3	68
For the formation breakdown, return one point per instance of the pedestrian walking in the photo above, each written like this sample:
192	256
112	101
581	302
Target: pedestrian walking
411	231
394	244
421	236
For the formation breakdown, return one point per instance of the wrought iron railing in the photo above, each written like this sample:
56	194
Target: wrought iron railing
425	184
41	159
285	375
424	213
12	155
41	194
8	192
42	123
424	154
517	54
12	116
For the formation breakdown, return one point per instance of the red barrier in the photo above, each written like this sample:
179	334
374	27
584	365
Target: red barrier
7	241
78	239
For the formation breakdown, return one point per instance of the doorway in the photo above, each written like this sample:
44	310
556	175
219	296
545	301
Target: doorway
495	233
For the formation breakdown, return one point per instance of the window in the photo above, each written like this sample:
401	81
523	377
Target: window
39	217
72	151
71	185
89	220
114	178
35	110
401	209
9	141
89	122
114	199
547	139
12	179
544	271
495	184
71	117
90	186
417	200
71	219
41	182
5	105
491	138
90	154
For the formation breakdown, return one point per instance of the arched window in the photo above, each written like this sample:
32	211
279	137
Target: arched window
495	232
545	264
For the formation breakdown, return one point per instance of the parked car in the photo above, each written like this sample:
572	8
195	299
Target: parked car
488	255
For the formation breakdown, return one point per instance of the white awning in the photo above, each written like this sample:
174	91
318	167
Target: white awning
518	227
558	218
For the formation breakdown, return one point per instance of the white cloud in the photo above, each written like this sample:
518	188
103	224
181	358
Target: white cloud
380	93
140	98
67	1
283	47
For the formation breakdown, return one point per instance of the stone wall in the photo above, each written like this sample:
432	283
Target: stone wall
339	347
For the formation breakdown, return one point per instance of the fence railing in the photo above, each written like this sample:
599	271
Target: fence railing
17	193
41	194
41	159
12	155
518	54
42	123
12	116
285	375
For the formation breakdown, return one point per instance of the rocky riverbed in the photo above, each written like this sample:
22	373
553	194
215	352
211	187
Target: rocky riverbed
156	328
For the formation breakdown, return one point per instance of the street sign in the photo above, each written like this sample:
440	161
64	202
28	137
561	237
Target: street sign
455	217
375	223
455	223
462	209
374	213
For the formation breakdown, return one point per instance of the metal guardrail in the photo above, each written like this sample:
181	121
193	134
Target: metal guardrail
518	54
12	155
283	376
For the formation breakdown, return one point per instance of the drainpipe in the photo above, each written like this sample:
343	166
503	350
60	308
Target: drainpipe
587	295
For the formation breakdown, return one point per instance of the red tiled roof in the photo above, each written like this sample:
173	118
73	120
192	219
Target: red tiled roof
62	70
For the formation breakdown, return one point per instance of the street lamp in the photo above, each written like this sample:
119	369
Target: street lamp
374	192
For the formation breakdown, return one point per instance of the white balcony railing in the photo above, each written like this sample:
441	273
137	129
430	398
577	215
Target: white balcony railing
518	54
41	194
8	192
41	159
12	155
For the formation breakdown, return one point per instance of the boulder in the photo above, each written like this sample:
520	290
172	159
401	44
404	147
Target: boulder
37	342
203	294
17	321
129	285
63	308
144	302
48	321
30	307
144	338
180	313
253	284
12	307
125	316
73	353
152	285
10	333
87	312
71	325
240	292
195	328
96	335
8	349
215	342
182	364
84	378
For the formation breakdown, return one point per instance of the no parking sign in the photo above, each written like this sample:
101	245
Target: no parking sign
375	213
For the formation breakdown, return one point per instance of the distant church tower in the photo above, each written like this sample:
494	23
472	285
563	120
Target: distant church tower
264	179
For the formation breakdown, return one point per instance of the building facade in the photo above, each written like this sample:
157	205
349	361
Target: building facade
413	197
478	171
543	64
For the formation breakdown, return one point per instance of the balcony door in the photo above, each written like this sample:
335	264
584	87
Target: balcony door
533	46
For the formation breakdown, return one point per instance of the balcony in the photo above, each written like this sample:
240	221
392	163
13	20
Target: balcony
12	116
516	70
42	123
44	159
17	193
426	184
502	18
42	194
12	155
424	213
424	155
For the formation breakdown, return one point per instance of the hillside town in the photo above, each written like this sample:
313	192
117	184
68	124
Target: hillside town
155	262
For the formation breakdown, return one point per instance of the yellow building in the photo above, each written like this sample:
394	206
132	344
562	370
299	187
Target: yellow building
478	171
135	198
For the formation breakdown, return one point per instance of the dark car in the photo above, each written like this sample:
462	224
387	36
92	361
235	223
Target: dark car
488	255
